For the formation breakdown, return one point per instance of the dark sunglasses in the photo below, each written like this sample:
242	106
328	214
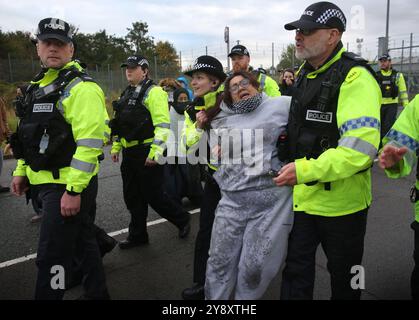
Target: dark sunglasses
306	33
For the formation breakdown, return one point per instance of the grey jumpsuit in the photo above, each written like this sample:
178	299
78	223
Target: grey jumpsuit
254	217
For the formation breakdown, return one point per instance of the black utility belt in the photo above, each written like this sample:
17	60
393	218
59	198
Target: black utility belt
414	194
139	146
137	149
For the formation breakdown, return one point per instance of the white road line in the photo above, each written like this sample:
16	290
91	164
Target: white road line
112	234
16	261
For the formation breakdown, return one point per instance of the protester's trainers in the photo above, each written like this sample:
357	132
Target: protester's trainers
36	218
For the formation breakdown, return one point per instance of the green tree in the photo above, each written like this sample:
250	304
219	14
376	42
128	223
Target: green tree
288	59
101	49
17	44
167	59
138	39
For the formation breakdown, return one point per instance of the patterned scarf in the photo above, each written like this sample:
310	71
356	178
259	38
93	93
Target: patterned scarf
247	105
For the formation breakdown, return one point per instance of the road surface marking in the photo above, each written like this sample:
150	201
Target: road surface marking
112	234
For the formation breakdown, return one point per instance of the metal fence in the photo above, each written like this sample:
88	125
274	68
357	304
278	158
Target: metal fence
110	78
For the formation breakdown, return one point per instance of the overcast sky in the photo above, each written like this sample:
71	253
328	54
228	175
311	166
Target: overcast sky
192	25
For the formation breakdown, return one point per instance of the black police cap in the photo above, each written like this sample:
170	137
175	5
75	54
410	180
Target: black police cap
385	56
209	65
239	50
134	61
54	28
320	15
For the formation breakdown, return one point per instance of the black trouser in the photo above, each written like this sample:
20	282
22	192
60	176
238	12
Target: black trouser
414	281
102	239
210	201
388	116
143	186
183	180
342	239
64	238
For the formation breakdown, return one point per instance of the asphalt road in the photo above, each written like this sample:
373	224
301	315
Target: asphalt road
162	269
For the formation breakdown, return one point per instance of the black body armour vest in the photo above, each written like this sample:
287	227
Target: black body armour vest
43	138
389	88
312	125
132	120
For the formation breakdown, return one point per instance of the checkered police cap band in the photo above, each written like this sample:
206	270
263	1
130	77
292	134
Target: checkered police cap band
198	66
143	62
332	13
140	61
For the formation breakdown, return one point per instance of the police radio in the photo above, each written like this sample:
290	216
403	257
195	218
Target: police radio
19	104
190	109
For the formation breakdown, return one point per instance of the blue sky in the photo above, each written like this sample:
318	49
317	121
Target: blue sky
191	26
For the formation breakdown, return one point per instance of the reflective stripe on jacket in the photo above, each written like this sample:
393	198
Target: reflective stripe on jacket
405	133
403	97
83	107
156	101
358	114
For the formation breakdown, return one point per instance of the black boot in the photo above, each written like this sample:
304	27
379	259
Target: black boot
185	230
131	243
196	292
105	242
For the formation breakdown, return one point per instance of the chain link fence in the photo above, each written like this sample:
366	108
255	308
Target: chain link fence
110	78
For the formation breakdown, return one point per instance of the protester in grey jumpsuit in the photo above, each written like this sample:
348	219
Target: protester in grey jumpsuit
254	217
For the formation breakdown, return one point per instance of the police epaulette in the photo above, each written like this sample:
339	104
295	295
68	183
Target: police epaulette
360	62
353	56
86	77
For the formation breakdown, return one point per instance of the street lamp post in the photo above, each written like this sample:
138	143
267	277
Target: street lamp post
227	40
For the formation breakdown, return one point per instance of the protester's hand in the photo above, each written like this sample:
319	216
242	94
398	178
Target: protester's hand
216	151
70	205
286	176
390	155
19	185
8	149
150	163
115	157
201	119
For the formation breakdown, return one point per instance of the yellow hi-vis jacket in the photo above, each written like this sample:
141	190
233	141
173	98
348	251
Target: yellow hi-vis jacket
403	97
269	85
191	135
83	107
405	133
359	102
156	102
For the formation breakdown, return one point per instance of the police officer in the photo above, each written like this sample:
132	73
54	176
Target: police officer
207	83
142	125
398	158
240	58
58	142
392	86
333	133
